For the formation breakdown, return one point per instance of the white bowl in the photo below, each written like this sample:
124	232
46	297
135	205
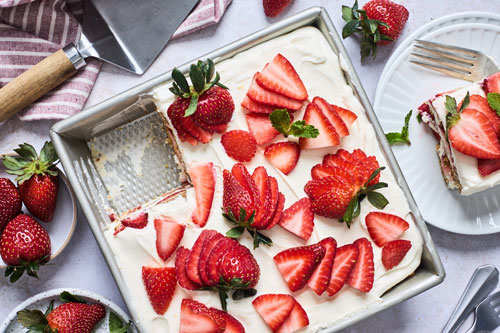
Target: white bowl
62	226
42	301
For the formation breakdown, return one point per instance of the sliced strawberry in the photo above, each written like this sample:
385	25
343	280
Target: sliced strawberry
345	258
298	264
241	174
359	154
274	308
205	257
283	155
160	286
185	282
371	163
261	95
263	184
194	256
362	274
492	83
273	203
347	116
239	145
232	324
277	212
332	115
296	320
215	258
197	318
487	167
327	137
136	220
203	177
332	203
474	135
261	128
394	252
253	106
168	236
322	274
316	187
481	104
175	112
384	227
299	219
221	128
280	76
196	132
240	263
235	196
321	171
355	171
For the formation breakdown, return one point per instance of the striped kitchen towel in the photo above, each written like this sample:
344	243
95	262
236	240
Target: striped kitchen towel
30	30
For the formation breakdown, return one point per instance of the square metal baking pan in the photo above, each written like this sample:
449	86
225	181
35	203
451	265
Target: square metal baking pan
71	137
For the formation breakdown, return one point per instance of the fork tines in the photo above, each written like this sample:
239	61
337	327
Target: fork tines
451	60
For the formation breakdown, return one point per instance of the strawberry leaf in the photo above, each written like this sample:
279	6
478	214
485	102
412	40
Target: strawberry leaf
280	119
451	105
377	199
347	13
180	81
67	297
193	103
49	308
350	28
494	102
32	319
116	325
235	232
197	79
403	137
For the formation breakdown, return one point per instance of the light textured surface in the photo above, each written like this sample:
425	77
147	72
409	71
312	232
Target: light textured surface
81	265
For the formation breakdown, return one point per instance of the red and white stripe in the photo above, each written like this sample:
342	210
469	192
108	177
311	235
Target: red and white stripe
31	30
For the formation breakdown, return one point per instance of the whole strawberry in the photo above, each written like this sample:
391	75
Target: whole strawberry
274	7
203	108
37	178
380	22
10	202
70	317
24	246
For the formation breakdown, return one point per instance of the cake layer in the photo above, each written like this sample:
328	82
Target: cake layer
320	70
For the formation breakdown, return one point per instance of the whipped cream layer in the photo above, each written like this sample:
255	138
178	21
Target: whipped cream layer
321	72
466	166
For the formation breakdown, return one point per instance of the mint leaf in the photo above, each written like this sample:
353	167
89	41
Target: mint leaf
465	103
451	105
301	130
280	119
494	102
116	325
419	118
403	137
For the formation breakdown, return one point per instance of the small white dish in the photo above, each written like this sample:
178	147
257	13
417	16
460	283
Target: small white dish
404	86
62	226
42	301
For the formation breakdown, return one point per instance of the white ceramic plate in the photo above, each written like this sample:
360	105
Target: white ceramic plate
63	224
42	301
404	86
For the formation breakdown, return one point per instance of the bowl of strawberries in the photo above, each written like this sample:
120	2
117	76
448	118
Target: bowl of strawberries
37	210
68	310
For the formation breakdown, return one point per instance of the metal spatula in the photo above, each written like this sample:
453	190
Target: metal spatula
125	33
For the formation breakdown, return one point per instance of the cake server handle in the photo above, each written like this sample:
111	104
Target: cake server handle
483	281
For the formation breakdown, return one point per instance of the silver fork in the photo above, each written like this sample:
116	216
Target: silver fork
454	61
487	314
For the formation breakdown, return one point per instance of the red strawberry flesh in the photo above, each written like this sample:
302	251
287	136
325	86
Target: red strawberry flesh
203	177
160	286
261	95
299	219
394	252
168	236
345	258
185	282
384	227
322	274
274	308
240	145
362	274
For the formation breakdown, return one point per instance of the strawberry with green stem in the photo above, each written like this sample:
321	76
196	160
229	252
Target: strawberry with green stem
74	315
379	22
10	202
36	177
24	246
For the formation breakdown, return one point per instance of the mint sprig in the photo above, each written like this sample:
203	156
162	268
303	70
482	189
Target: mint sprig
116	325
403	137
453	115
281	121
494	102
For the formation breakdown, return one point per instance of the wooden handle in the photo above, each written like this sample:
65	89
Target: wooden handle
34	83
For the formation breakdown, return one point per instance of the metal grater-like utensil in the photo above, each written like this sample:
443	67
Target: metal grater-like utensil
136	162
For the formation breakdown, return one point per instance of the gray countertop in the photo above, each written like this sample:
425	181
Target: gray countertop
81	265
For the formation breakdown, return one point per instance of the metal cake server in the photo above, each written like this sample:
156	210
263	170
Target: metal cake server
483	281
126	33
